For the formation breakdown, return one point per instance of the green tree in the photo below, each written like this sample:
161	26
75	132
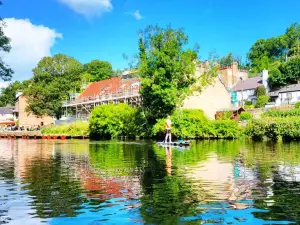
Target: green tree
227	60
8	94
260	91
107	121
262	101
53	79
291	70
5	71
99	70
166	68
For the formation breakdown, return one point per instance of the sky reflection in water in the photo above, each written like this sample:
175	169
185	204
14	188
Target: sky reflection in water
213	182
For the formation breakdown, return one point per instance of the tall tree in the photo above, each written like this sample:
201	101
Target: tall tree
99	70
8	94
53	79
166	68
5	71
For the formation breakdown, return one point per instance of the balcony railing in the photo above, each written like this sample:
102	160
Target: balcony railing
104	97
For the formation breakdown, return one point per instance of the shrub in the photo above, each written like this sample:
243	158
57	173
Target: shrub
262	101
256	129
75	128
191	123
248	103
260	91
273	128
107	121
245	116
224	116
281	113
297	105
248	106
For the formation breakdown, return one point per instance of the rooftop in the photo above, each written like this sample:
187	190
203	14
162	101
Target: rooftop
6	110
251	83
110	86
288	88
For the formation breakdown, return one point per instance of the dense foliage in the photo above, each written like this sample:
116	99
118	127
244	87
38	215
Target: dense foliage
166	68
262	101
99	70
245	116
297	105
281	113
265	52
193	124
286	73
273	128
5	71
53	79
8	94
75	128
260	91
110	121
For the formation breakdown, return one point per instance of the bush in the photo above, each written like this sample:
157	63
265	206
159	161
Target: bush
245	116
249	107
108	121
281	113
273	128
256	129
248	103
260	91
262	101
75	128
191	123
224	116
297	105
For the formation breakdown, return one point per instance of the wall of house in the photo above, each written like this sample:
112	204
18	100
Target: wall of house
210	100
246	95
29	120
5	117
289	97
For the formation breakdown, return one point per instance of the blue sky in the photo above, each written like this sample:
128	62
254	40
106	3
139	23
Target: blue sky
105	29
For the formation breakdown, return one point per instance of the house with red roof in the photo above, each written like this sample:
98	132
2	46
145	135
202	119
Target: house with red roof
124	89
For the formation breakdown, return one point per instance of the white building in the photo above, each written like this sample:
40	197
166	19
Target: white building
245	89
287	95
6	113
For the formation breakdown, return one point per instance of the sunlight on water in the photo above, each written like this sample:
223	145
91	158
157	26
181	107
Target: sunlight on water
213	182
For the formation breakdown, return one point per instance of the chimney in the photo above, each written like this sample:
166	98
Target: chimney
265	76
18	94
235	72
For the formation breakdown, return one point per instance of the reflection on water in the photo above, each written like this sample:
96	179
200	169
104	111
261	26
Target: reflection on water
213	182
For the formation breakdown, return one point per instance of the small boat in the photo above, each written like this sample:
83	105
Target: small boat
177	143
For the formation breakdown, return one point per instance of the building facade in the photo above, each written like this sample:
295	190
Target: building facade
287	95
244	90
28	120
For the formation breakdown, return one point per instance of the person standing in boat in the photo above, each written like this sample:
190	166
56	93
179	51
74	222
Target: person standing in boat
168	130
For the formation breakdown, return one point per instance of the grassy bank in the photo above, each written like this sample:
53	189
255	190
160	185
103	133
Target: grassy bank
74	129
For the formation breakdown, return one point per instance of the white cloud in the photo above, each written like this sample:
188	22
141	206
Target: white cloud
137	15
89	8
29	44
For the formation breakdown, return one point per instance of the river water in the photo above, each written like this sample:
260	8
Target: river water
212	182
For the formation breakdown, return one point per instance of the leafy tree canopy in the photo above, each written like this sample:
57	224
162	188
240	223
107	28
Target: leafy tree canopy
5	71
8	94
166	68
266	51
260	91
99	70
53	79
286	73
